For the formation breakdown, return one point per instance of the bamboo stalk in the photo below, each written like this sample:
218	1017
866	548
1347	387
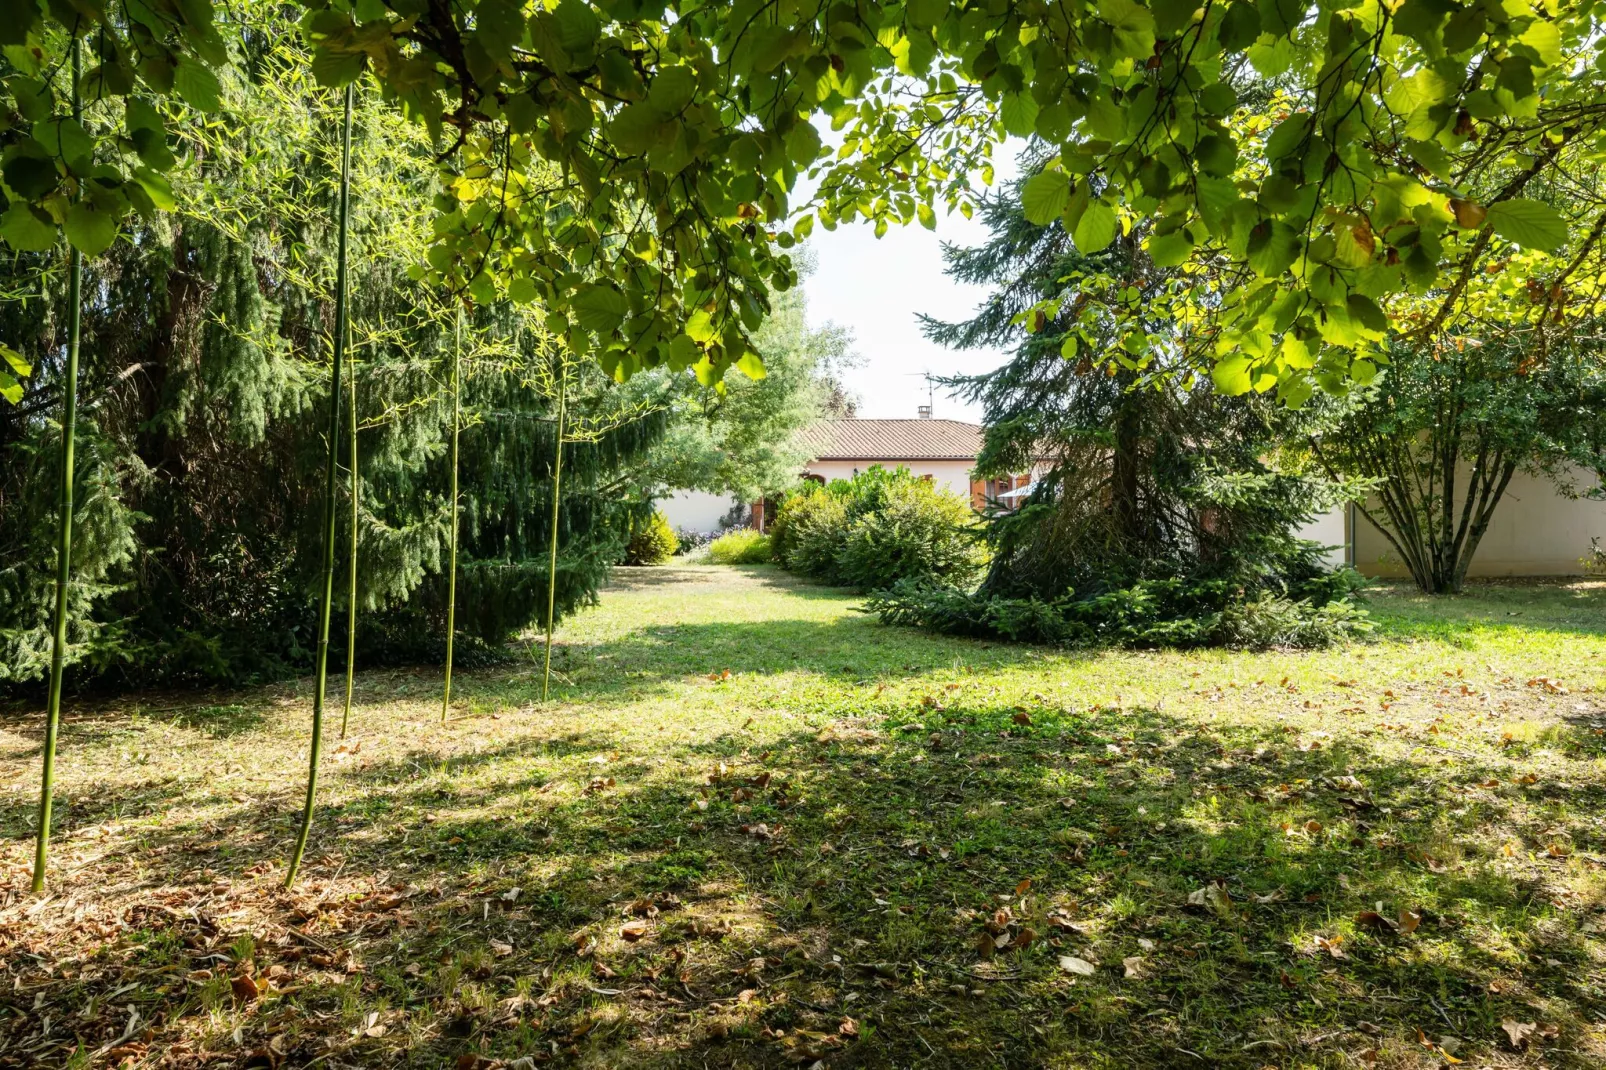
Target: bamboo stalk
351	588
330	473
552	563
451	582
69	424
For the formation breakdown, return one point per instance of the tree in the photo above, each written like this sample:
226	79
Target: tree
1162	510
633	166
742	436
1444	427
199	466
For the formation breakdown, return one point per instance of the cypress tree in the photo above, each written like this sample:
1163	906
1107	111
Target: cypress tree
69	422
316	747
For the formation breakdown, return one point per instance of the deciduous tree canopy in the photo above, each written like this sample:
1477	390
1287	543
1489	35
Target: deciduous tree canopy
635	165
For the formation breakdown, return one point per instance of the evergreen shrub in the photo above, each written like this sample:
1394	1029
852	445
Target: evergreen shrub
741	547
877	529
652	541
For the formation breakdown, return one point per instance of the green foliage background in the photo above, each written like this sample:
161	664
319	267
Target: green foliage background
207	348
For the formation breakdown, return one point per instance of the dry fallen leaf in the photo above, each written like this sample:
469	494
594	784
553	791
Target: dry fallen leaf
1332	945
1519	1032
1133	966
244	987
1072	964
633	931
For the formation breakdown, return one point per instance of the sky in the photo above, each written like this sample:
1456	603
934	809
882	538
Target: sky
875	288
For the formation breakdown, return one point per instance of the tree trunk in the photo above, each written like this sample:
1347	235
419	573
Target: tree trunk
69	424
552	559
330	472
451	568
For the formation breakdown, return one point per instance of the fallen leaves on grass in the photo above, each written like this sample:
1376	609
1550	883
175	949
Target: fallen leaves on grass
1079	966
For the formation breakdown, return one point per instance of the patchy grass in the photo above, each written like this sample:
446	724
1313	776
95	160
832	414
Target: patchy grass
759	829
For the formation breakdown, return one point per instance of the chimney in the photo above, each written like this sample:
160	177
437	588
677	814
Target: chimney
925	412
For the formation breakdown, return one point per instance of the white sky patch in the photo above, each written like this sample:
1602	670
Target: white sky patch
876	288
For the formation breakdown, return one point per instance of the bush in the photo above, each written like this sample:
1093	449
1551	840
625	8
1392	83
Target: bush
688	541
741	547
652	542
1149	613
876	529
808	531
918	532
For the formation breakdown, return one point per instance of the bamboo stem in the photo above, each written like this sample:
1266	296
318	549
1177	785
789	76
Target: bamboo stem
351	588
451	582
330	472
552	563
69	424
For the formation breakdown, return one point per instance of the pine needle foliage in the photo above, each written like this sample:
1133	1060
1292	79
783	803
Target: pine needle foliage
199	452
1161	506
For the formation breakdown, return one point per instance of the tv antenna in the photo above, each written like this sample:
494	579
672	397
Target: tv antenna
931	389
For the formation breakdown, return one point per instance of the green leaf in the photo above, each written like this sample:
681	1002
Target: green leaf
1096	228
672	90
1231	376
1273	248
751	365
1018	112
15	360
521	291
1169	250
1044	197
334	68
27	228
1364	310
1217	156
578	27
1545	39
157	188
90	230
10	389
31	176
600	308
195	82
1133	27
924	14
1531	224
1218	98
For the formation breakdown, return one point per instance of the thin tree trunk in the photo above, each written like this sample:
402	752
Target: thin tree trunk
330	472
69	423
351	589
451	581
552	561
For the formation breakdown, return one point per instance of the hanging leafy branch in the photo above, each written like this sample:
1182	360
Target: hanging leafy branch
634	166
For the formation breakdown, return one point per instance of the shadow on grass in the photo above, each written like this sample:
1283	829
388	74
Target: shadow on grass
825	896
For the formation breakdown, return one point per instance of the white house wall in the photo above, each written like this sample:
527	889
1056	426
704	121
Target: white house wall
949	475
695	510
1535	531
1327	529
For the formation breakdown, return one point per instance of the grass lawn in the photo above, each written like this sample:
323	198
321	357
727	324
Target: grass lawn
759	829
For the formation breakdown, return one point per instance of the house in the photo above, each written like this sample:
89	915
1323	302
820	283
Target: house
943	451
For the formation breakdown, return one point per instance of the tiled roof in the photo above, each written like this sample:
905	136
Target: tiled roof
894	440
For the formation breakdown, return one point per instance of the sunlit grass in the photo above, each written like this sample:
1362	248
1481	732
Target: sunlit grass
753	814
